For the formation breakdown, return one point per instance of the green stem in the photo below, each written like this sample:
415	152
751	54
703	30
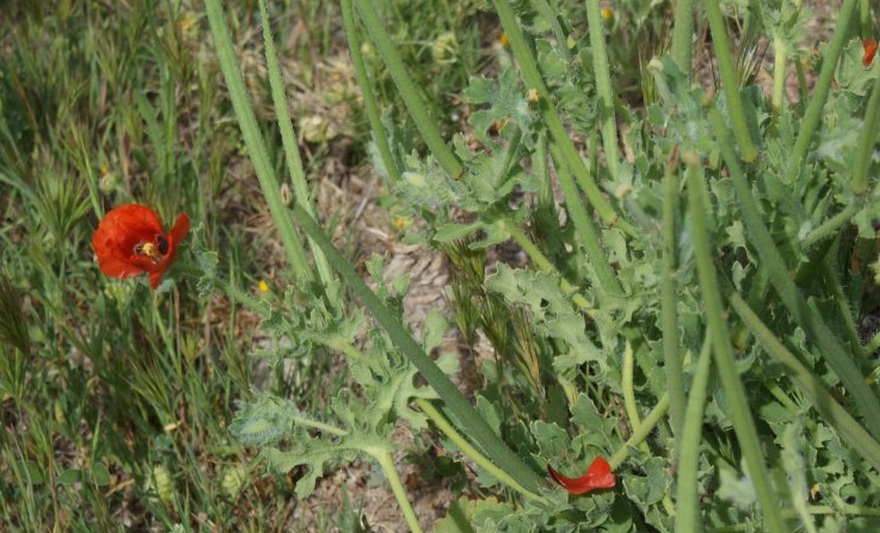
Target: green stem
739	412
471	421
868	139
780	57
288	137
729	81
641	433
873	345
817	332
471	452
253	139
814	388
669	299
602	74
387	463
830	226
629	397
320	426
820	92
408	92
371	105
683	35
587	231
559	135
687	518
849	322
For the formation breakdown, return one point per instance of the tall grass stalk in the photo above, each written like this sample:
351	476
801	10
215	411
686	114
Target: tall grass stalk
288	137
817	100
255	143
558	133
739	413
408	91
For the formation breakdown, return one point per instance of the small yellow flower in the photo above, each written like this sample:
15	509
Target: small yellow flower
263	286
399	222
607	14
504	40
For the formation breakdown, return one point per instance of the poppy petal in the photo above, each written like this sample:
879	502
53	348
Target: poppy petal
870	46
597	476
122	238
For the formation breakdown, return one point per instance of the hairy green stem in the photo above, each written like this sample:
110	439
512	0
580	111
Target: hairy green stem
383	457
814	388
687	516
471	452
780	57
288	137
408	92
371	105
471	421
820	92
868	139
669	300
559	135
683	35
641	433
255	143
602	74
830	226
587	231
817	332
729	81
739	413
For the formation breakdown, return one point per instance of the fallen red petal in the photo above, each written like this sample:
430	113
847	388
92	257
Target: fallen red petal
597	476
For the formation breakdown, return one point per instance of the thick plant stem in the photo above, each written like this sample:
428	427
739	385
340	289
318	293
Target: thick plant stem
371	106
818	333
820	92
641	433
471	452
383	457
683	35
256	146
669	299
288	137
559	135
603	88
739	413
729	81
408	92
868	139
472	423
687	513
587	231
780	57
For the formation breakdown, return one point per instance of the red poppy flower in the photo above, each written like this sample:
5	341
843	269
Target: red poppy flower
597	476
870	46
130	241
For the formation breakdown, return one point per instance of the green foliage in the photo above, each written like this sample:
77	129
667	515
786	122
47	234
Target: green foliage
563	142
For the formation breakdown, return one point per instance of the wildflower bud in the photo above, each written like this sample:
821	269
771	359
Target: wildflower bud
233	480
445	48
160	481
